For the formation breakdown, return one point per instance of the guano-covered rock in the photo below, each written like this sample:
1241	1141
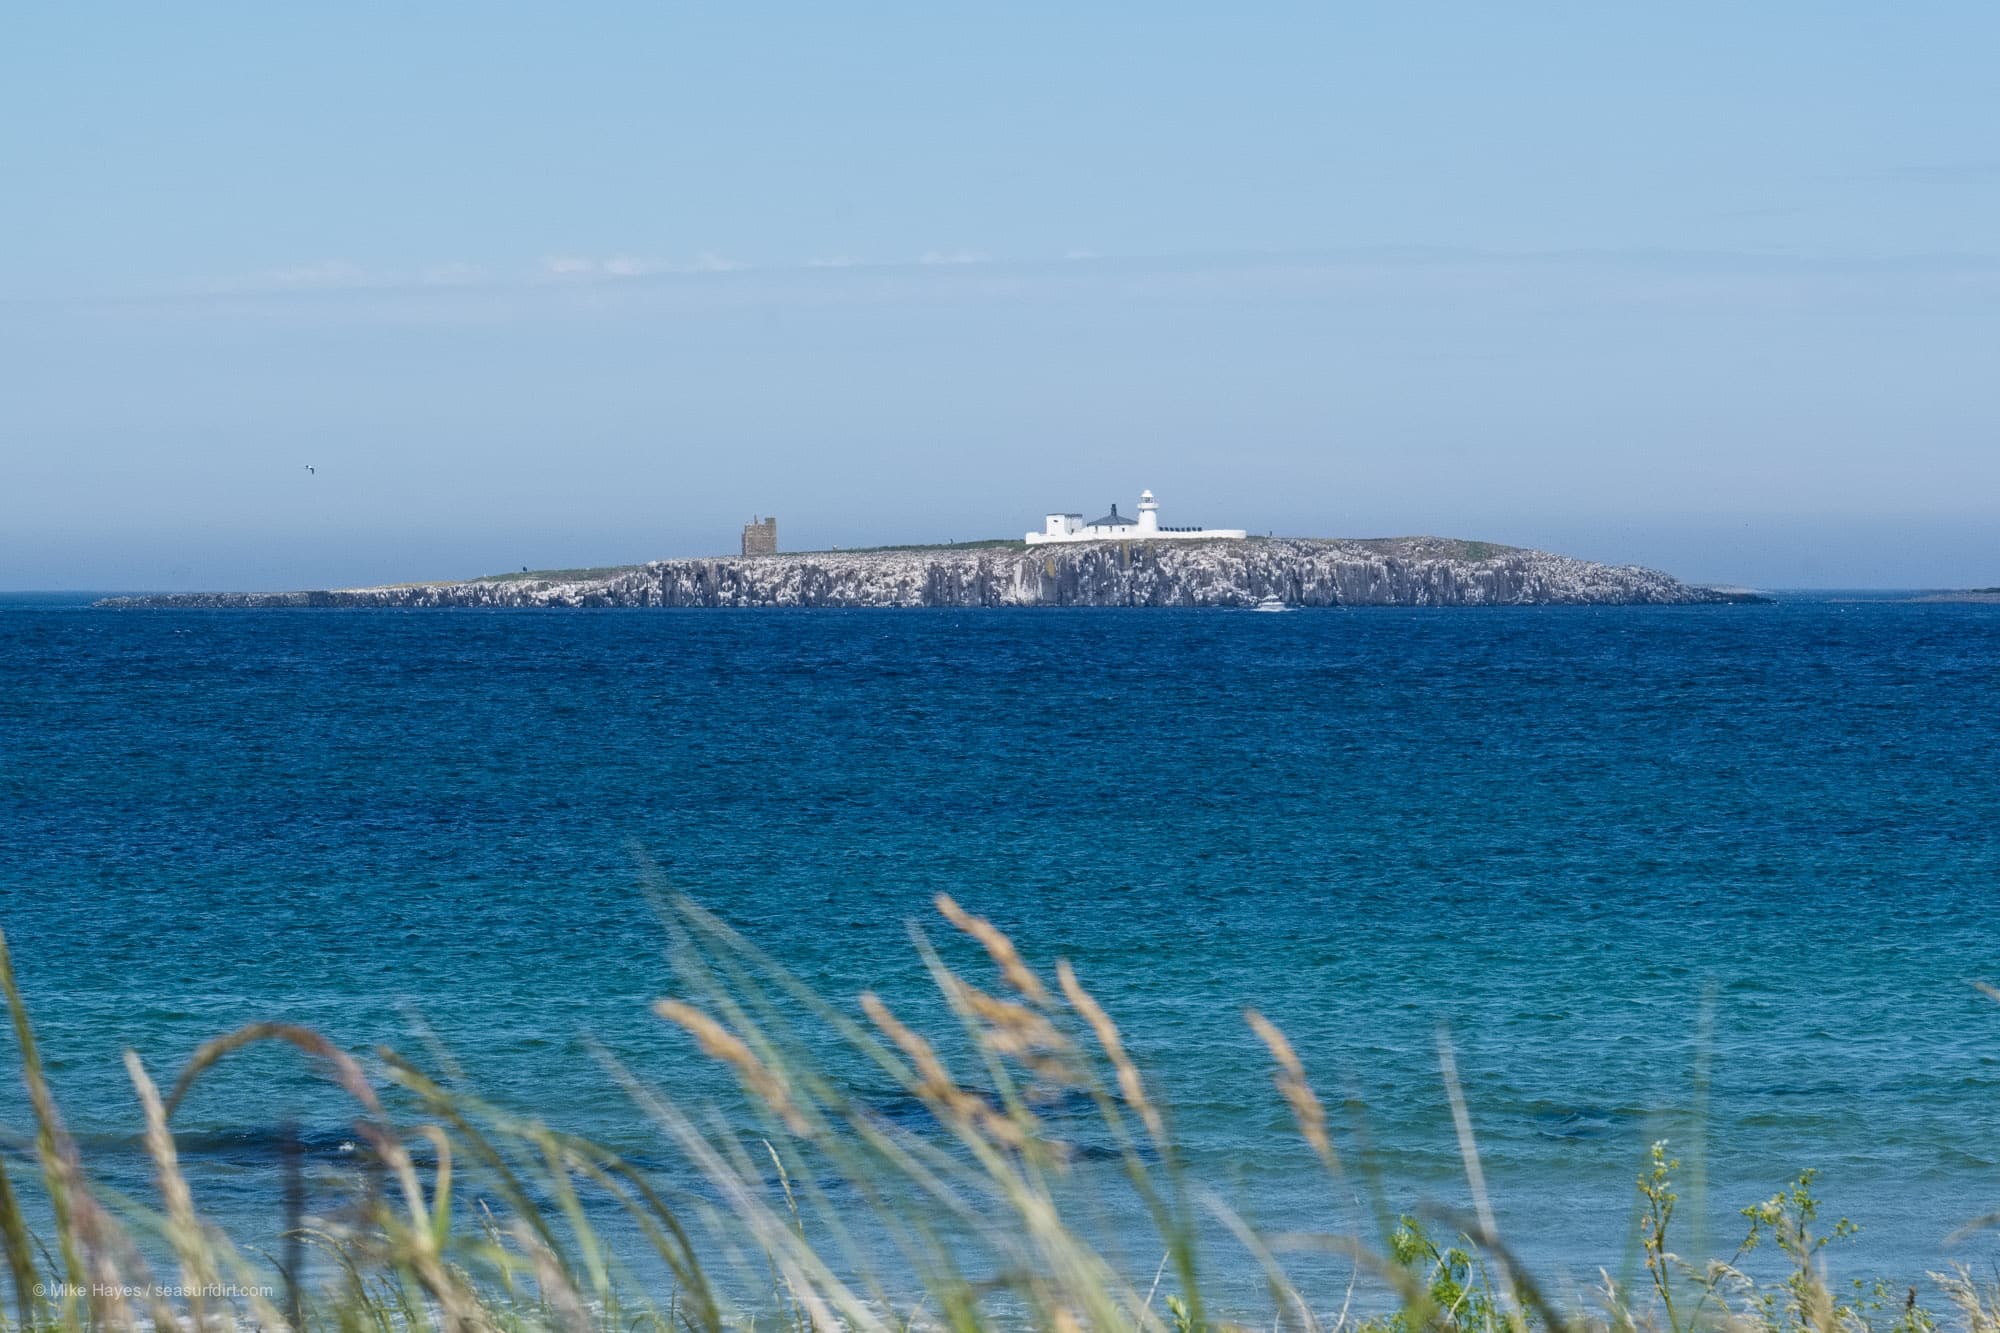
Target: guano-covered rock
1409	571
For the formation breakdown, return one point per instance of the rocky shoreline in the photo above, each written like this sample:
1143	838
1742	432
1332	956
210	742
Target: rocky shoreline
1405	571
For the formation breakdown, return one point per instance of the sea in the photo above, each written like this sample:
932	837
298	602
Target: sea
1722	876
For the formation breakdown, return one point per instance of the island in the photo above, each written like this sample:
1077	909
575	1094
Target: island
1976	596
1304	572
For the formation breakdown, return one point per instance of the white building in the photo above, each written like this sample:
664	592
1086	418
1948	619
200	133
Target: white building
1117	527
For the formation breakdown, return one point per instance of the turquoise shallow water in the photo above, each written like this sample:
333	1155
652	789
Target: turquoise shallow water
1555	830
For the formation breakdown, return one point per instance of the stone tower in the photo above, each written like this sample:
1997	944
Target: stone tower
760	536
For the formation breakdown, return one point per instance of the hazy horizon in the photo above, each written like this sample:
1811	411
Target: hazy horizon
1711	291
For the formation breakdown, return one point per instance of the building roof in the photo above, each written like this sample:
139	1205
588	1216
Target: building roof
1114	519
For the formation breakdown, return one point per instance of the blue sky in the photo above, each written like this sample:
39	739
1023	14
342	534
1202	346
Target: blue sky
1710	287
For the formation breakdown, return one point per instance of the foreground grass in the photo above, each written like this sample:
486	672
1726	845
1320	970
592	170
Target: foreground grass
814	1212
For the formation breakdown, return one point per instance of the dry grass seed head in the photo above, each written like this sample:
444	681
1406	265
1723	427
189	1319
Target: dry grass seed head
1019	1033
1293	1086
935	1084
719	1043
1001	949
183	1227
1130	1085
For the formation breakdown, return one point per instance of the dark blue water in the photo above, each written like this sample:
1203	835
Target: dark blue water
1554	830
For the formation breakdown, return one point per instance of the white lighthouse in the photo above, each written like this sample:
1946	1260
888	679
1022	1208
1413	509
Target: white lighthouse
1117	527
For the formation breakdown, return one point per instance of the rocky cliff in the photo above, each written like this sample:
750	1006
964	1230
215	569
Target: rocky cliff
1407	571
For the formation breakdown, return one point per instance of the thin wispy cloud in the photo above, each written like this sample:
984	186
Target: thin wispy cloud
636	266
320	275
576	266
452	274
336	275
640	279
327	273
625	266
1979	171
